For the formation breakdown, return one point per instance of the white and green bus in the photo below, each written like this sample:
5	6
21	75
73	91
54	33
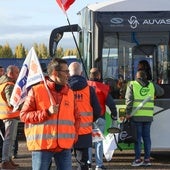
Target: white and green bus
114	36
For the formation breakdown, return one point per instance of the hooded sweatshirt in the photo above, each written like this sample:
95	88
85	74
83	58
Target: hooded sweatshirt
76	83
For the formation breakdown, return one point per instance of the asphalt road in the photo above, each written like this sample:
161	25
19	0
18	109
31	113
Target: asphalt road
121	160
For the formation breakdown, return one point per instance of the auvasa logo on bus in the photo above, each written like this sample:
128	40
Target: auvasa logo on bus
133	21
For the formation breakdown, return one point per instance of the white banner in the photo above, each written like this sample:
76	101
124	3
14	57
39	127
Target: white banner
109	145
31	73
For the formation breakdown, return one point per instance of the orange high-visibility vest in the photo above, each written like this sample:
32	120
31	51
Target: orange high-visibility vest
58	132
102	91
82	98
5	109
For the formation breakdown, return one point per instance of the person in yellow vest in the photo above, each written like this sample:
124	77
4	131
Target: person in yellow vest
51	123
137	91
89	108
9	118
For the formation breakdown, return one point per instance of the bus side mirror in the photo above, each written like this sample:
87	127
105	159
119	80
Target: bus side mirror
57	34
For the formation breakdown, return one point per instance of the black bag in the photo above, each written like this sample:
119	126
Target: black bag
128	132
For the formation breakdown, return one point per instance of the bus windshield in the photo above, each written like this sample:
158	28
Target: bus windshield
122	51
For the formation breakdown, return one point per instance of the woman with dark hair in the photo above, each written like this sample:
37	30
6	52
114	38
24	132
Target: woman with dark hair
145	66
137	92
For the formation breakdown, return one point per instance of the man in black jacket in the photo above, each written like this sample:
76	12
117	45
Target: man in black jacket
89	108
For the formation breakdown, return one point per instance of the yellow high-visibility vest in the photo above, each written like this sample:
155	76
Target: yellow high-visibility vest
141	93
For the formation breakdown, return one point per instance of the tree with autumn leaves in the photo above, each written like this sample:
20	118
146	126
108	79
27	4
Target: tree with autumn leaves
41	49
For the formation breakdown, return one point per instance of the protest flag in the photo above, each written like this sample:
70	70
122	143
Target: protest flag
65	4
31	73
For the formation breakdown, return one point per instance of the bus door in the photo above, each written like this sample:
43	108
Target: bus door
144	52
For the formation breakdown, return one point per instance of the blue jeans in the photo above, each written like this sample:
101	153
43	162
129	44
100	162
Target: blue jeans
143	132
41	160
98	145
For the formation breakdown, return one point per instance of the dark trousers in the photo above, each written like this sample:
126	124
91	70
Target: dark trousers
81	155
15	151
2	128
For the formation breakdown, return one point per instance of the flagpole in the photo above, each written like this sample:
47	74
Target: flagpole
75	41
52	101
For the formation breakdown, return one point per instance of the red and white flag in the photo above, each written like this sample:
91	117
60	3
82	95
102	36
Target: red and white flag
65	4
31	73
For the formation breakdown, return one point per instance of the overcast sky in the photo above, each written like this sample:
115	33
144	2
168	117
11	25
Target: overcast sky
31	21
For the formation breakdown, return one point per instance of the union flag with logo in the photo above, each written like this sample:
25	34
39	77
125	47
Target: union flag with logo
31	73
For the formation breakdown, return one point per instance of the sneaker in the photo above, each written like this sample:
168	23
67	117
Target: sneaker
100	168
137	162
7	166
147	162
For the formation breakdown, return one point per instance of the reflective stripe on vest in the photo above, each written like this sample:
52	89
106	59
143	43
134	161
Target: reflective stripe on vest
59	130
82	98
5	110
140	93
52	135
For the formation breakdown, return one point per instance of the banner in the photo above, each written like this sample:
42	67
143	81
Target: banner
31	73
109	145
65	4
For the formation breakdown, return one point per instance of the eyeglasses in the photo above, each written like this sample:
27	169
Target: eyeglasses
65	71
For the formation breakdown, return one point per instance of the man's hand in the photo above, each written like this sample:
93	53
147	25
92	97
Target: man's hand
53	109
